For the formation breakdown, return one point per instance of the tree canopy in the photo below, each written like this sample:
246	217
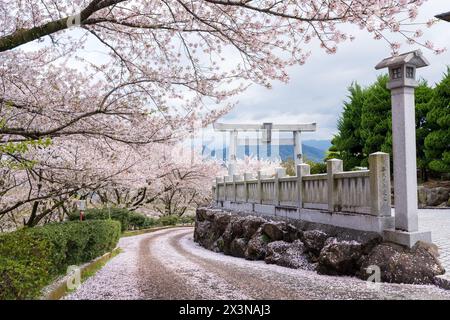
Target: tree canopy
365	125
95	95
437	142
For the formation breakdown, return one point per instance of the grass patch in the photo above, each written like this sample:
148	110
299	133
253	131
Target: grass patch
87	271
93	268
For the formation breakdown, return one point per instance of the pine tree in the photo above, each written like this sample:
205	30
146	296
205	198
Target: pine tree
347	144
376	119
423	96
437	142
365	125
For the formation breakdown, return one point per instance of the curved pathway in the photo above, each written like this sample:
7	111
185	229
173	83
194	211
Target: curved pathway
167	264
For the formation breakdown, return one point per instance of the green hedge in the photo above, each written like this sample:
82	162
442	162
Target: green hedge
174	220
32	257
129	220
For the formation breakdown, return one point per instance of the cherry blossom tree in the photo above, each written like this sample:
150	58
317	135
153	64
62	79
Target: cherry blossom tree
250	164
178	175
94	92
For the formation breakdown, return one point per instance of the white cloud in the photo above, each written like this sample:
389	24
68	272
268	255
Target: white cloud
317	89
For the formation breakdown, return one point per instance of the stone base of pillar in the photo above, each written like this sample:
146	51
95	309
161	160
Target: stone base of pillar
404	238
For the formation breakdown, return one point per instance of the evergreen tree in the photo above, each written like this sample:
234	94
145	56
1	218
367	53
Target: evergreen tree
365	125
347	144
423	96
376	119
437	142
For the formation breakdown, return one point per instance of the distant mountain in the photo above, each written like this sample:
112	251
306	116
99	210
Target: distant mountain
318	144
312	149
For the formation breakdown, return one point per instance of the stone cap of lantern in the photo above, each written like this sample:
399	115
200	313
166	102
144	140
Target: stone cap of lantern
402	68
413	58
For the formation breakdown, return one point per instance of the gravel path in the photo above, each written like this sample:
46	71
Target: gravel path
167	264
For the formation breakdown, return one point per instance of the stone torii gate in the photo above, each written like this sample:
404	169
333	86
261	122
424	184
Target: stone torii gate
266	129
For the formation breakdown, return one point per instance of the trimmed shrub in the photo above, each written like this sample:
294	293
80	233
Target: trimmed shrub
129	220
117	214
138	221
32	257
169	220
172	220
187	219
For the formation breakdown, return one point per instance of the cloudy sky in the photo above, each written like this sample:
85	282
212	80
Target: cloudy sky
317	89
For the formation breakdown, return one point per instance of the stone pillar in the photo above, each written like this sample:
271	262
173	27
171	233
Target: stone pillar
231	168
259	187
217	190
279	173
302	170
232	152
333	166
405	171
226	180
404	146
247	151
380	184
298	151
258	147
236	178
402	83
247	176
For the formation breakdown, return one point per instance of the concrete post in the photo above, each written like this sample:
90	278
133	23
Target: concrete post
405	171
247	176
298	152
279	173
226	179
231	168
232	154
302	170
402	83
225	188
217	190
333	166
259	200
380	184
235	178
247	151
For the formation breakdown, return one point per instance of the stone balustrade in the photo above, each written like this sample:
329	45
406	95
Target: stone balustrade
356	199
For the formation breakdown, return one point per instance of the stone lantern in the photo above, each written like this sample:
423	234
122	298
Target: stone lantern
402	69
402	83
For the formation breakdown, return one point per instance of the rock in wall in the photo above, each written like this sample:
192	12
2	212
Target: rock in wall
282	243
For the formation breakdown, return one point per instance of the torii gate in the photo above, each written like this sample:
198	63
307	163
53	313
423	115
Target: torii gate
266	129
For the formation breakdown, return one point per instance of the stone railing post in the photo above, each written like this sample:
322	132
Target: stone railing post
224	188
259	192
247	176
333	166
279	173
226	179
380	184
302	170
235	178
217	190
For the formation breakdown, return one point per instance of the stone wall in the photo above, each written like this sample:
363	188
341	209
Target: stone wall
433	197
325	249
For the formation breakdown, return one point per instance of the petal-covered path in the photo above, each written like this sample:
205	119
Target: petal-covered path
167	264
